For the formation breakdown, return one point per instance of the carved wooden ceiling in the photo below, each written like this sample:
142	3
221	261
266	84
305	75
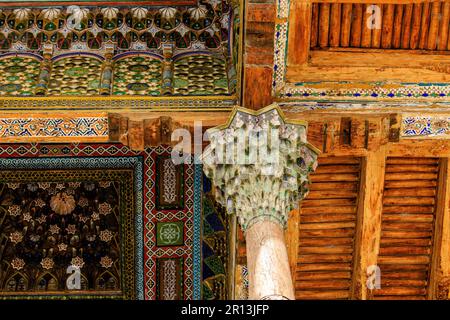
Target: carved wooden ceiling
411	26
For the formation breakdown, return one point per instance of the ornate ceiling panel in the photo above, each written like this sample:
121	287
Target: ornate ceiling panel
183	48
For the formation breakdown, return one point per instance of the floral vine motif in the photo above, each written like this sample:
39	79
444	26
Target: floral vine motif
12	185
106	262
104	208
14	210
44	185
40	203
71	229
54	229
106	235
16	237
17	264
27	217
83	202
77	262
47	263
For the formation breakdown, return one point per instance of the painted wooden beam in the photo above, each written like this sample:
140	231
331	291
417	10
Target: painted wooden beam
439	285
369	222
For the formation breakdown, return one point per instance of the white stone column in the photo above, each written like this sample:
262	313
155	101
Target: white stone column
259	165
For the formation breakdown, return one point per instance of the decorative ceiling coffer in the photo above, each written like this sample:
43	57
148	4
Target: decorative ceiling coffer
259	164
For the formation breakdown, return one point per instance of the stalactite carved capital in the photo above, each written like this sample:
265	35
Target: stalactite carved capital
259	164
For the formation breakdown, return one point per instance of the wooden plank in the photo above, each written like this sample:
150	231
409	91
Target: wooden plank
397	32
407	217
346	24
320	218
424	25
325	275
258	86
405	242
335	25
310	294
328	202
314	25
406	26
410	183
443	29
392	251
401	291
338	160
300	22
332	194
366	33
434	26
416	192
368	234
322	267
415	28
347	186
332	209
419	201
413	168
329	233
325	226
336	168
412	161
322	285
376	32
404	260
440	265
325	241
335	177
292	236
325	258
407	234
357	25
410	176
324	24
388	26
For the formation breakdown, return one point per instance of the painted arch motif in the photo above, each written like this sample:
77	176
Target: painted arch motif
200	75
18	75
75	75
137	75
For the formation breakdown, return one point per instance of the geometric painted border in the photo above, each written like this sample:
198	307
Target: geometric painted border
31	127
72	155
426	126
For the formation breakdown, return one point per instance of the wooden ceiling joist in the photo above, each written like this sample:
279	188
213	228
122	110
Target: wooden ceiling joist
402	26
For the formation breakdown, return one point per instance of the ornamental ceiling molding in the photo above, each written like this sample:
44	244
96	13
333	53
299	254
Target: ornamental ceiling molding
206	26
39	3
373	91
35	127
125	103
